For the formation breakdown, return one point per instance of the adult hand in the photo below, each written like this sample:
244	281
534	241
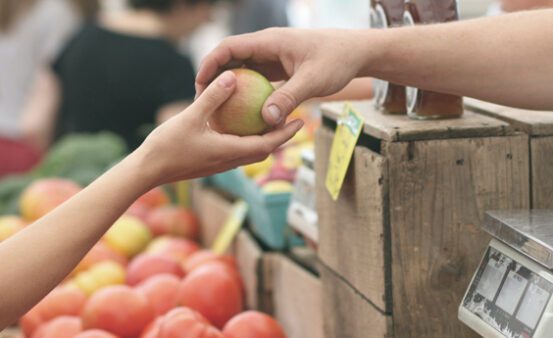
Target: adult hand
314	63
185	147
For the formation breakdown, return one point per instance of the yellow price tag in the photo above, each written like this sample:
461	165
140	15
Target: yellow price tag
348	129
231	227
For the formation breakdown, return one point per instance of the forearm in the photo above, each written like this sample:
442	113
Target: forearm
37	258
504	59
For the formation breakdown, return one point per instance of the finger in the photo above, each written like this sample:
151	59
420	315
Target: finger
215	95
258	47
263	145
286	98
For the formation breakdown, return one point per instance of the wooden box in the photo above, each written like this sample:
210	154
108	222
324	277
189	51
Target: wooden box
297	298
405	231
538	125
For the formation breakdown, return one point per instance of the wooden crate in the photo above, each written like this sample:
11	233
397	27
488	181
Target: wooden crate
405	231
538	125
297	298
348	313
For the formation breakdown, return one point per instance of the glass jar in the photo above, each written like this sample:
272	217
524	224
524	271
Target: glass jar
388	97
423	104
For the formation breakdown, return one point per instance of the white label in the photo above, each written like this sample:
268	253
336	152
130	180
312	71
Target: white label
510	293
532	305
491	279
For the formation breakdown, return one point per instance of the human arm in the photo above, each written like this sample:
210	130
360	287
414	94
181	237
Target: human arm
503	59
37	258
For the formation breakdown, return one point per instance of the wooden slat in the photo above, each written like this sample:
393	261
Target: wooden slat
249	257
401	128
351	230
347	314
439	191
297	299
542	172
532	122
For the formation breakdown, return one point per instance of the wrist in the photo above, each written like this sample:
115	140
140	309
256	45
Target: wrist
375	45
140	170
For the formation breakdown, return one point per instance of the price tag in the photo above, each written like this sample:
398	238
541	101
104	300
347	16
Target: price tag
348	129
230	229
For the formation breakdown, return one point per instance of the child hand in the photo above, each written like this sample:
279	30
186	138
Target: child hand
185	147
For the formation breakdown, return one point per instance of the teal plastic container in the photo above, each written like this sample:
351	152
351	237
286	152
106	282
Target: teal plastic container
267	211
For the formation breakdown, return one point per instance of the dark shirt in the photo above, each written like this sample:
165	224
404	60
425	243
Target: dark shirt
117	82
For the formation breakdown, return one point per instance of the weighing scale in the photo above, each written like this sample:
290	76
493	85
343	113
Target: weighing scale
510	293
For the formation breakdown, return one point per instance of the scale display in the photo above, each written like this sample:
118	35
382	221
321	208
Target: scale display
508	296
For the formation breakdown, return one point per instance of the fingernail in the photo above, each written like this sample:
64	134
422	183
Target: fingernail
274	111
226	80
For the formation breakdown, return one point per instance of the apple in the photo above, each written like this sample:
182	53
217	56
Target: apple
128	236
202	257
154	198
9	225
259	168
174	220
147	265
118	309
100	252
160	291
253	324
214	291
98	276
241	113
60	327
186	323
152	329
45	195
179	248
95	333
277	187
62	301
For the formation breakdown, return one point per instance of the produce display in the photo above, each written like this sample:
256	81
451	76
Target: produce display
81	158
146	278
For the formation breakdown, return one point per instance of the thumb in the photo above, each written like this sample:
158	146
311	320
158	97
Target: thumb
215	95
286	98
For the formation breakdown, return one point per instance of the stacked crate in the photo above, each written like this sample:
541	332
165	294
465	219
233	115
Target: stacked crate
400	244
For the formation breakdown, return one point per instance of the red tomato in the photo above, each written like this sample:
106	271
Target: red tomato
160	291
61	327
186	323
253	324
213	291
95	334
118	309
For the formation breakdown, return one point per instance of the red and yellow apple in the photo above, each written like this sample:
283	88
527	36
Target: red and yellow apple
45	195
118	309
241	113
160	291
100	252
147	265
174	220
179	248
128	236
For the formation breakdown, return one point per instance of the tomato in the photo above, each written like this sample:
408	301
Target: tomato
118	309
213	291
186	323
253	324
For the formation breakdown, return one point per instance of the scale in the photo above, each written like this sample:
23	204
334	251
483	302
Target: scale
510	293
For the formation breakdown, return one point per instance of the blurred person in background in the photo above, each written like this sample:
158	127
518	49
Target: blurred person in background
508	6
31	35
119	74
